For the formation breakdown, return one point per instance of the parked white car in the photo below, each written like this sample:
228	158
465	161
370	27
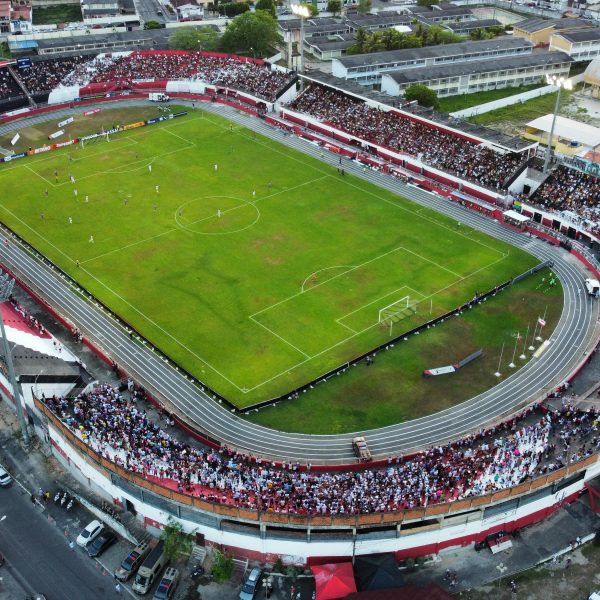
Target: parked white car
5	478
90	533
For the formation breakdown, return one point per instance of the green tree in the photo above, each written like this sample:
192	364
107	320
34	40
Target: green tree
267	5
361	36
151	25
232	9
375	43
223	567
422	94
312	8
390	39
428	3
480	34
257	30
176	540
334	6
364	6
411	41
194	38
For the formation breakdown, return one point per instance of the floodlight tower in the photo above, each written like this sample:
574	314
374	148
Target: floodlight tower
560	83
7	284
302	11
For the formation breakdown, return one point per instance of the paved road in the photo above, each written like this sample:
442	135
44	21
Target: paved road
569	342
38	555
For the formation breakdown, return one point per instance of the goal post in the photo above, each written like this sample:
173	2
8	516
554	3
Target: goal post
396	311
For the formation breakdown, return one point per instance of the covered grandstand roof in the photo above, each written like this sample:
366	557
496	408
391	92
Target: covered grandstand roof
568	129
592	73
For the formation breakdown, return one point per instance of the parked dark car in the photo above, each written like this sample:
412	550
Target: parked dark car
101	543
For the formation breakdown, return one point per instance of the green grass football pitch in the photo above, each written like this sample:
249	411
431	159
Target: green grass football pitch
257	275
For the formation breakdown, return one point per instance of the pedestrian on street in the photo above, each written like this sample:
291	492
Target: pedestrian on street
72	545
118	588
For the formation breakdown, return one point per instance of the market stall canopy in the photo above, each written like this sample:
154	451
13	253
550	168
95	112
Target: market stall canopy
334	581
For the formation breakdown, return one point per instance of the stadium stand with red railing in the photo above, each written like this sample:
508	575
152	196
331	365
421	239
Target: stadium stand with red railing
568	189
240	73
437	148
116	426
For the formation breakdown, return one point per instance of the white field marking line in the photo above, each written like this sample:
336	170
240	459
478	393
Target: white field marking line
353	268
130	137
362	331
404	287
40	176
346	326
325	269
256	200
346	182
434	263
153	323
178	136
119	171
41	158
153	237
281	338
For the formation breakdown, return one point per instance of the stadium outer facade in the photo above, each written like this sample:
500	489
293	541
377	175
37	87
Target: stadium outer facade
301	538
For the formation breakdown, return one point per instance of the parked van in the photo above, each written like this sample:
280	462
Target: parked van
167	585
133	561
149	571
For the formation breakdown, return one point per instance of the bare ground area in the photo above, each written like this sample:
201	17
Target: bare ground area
574	577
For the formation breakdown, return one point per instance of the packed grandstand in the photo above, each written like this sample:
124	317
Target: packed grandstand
117	427
44	76
566	189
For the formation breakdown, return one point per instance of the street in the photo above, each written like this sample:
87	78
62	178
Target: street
38	557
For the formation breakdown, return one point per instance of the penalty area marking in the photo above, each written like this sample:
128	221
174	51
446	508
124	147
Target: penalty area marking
347	267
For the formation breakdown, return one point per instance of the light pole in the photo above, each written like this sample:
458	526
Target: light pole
253	52
560	83
34	386
268	585
6	287
302	11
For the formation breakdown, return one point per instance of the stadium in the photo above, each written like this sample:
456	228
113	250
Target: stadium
266	239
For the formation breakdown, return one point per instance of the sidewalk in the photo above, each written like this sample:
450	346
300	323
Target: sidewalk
536	544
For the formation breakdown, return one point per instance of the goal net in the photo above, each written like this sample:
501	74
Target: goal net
396	311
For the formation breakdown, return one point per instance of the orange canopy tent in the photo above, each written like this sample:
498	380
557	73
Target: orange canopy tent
334	581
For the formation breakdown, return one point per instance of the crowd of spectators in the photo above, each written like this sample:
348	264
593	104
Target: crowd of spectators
255	79
9	88
439	149
43	76
27	316
573	191
117	426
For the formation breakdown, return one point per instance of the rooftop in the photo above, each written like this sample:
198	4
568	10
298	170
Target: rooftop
446	10
368	21
470	25
150	38
483	66
382	58
322	45
536	24
590	34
